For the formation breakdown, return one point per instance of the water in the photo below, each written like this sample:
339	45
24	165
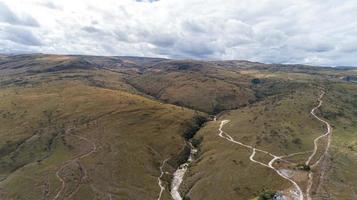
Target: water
179	174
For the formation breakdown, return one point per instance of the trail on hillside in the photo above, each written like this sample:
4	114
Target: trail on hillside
226	136
76	159
300	195
316	140
162	188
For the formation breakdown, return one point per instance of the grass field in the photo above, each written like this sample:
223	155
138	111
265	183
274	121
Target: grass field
83	127
281	125
340	109
133	135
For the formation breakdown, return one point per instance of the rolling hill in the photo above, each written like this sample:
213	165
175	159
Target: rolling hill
91	127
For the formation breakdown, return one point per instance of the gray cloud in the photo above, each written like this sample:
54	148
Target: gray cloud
6	15
275	31
91	29
21	36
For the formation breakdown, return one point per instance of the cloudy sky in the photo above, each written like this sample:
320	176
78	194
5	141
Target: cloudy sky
318	32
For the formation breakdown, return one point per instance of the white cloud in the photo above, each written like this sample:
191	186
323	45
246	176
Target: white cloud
320	32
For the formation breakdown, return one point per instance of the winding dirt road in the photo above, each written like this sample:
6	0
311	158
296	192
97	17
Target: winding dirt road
298	194
328	135
226	136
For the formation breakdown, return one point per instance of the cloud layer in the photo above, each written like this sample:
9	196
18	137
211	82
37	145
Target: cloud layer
318	32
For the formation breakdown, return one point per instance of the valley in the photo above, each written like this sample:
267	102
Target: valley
126	128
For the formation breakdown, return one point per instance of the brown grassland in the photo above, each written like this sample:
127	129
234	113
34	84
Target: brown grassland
85	127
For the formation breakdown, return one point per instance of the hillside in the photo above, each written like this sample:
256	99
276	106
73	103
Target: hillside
91	127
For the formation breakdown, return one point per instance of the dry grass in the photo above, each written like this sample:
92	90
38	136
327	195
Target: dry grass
132	133
123	106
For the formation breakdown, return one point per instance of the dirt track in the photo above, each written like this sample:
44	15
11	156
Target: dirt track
298	193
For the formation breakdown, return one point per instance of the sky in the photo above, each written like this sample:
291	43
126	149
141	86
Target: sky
315	32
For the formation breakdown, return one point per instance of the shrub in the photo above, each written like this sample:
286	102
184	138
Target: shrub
194	127
196	141
186	198
267	195
256	81
297	141
303	167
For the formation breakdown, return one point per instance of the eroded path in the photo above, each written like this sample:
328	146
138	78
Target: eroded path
162	188
226	136
327	146
298	193
76	160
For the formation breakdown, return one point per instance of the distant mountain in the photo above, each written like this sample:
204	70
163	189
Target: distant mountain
346	67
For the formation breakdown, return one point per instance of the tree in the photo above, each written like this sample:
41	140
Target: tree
256	81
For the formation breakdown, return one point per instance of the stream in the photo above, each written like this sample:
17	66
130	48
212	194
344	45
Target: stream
179	174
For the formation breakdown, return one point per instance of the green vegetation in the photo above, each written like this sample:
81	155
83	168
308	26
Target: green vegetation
105	124
190	131
270	124
256	81
303	167
129	130
267	195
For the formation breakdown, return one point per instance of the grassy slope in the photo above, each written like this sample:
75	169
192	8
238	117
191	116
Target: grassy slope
133	135
272	125
340	109
196	85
